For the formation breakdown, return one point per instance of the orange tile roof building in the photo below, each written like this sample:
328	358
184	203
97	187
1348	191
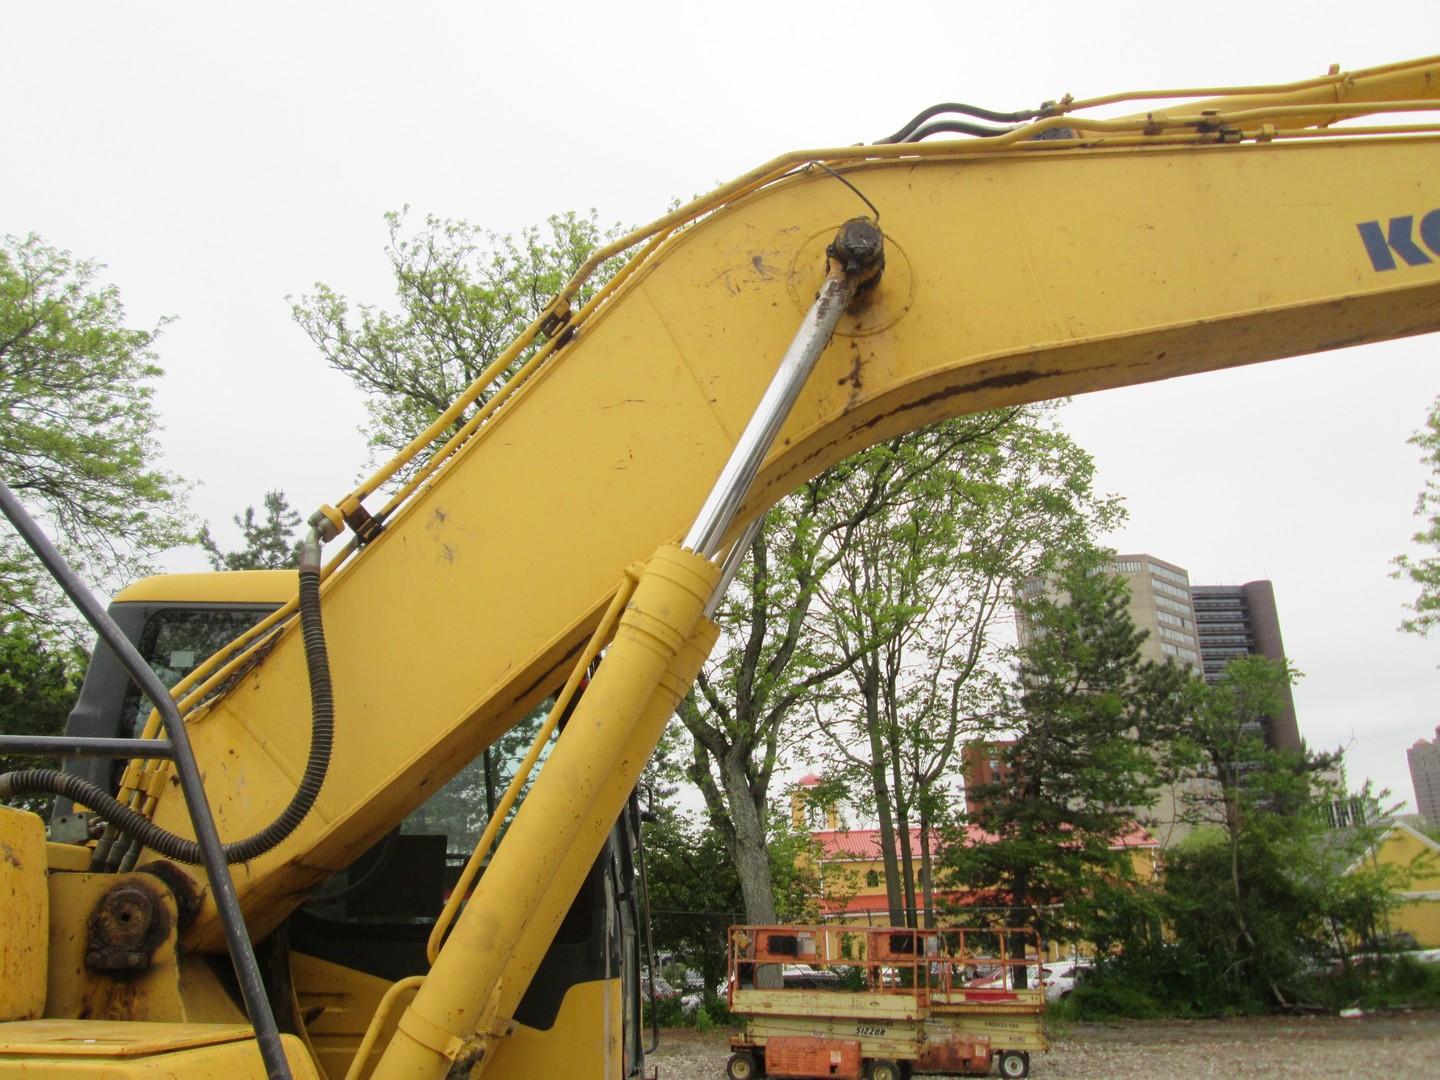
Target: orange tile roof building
851	867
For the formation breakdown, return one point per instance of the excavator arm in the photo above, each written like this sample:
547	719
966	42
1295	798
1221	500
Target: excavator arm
1012	275
1017	268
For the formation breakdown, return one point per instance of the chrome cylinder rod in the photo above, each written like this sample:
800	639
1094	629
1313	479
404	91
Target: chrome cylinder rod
731	566
855	257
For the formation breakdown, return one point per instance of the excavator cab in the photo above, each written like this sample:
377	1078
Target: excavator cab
176	621
365	929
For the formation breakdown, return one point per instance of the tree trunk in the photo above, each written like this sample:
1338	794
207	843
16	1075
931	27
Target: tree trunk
881	788
1019	909
927	881
907	862
752	858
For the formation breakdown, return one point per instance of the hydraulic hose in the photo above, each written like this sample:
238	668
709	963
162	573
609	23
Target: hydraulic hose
912	132
322	737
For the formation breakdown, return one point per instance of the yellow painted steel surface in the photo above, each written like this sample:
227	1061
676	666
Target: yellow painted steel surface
905	1037
339	1002
76	991
26	907
75	857
1010	277
466	1001
112	1050
234	587
582	1044
818	1003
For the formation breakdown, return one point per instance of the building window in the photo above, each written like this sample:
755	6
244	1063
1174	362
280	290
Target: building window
872	878
1167	604
1170	590
1170	575
1176	636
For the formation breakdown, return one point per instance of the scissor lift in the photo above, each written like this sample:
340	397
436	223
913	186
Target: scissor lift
904	1001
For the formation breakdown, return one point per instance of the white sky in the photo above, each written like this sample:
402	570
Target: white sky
219	158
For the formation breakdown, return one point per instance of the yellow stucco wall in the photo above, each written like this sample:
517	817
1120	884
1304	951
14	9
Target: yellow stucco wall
1419	858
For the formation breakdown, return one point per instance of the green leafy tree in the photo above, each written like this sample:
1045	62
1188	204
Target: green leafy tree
270	544
740	713
1262	876
1263	893
914	603
1423	571
695	893
463	295
771	663
77	429
1091	714
39	682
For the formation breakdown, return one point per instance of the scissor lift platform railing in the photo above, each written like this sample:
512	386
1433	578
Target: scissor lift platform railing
936	1000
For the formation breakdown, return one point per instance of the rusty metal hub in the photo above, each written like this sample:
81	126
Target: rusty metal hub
125	928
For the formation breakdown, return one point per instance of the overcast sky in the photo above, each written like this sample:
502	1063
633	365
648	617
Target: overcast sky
219	158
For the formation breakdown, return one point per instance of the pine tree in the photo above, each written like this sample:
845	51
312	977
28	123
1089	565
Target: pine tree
269	544
1082	757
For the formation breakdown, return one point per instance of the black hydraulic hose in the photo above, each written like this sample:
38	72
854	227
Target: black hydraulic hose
177	848
907	133
956	127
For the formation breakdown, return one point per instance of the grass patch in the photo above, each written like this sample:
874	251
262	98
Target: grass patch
1375	983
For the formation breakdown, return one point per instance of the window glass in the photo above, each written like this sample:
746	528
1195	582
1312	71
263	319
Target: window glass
460	809
175	642
1169	590
1170	575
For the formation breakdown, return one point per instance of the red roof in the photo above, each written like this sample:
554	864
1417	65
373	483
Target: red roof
856	843
863	845
877	904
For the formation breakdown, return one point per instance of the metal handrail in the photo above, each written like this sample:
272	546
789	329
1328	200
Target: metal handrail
178	749
929	964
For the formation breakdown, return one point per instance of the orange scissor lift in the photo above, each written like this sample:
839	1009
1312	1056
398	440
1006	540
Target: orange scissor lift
883	1002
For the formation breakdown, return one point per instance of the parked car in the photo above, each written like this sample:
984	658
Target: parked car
805	977
1062	976
695	998
1059	977
663	990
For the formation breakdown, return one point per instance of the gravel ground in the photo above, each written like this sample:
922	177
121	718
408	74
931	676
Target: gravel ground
1398	1044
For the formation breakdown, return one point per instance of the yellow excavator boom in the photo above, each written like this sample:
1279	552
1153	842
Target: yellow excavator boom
1012	275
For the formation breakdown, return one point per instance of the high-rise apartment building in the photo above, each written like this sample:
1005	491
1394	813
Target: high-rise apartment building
1160	605
1425	777
983	763
1241	620
1203	627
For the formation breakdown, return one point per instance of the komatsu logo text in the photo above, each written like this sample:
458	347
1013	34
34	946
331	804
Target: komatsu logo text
1382	244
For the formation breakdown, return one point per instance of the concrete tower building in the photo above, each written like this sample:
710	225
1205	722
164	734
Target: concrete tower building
1242	620
1425	777
1203	627
1160	605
